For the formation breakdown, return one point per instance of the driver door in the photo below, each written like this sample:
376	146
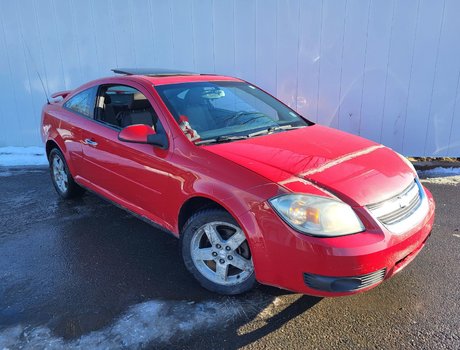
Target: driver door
133	175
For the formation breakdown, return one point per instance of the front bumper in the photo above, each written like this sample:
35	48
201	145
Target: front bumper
330	266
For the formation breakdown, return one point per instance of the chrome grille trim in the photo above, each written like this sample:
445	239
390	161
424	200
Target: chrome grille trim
343	284
403	211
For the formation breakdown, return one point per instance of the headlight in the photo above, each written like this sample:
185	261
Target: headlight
317	216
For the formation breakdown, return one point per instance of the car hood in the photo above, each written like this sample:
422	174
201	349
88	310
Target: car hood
353	168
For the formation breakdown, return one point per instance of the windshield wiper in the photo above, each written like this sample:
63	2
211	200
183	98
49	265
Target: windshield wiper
241	114
223	138
273	129
227	138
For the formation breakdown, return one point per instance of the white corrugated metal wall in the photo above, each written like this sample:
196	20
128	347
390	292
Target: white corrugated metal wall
386	70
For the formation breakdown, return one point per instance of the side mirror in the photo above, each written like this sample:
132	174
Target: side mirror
142	133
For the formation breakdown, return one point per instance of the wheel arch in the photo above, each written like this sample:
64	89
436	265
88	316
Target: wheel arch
193	205
50	144
58	143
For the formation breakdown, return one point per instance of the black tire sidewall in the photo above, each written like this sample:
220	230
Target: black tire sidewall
191	226
72	188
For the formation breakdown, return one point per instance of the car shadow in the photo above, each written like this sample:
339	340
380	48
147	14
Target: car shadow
105	262
273	323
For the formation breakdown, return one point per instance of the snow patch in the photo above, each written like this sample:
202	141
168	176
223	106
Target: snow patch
22	156
443	176
448	180
143	324
440	171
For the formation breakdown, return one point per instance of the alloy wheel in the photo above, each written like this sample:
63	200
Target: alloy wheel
221	253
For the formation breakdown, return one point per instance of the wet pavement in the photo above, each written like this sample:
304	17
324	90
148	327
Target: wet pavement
85	274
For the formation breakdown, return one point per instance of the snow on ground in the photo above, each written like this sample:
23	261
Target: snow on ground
439	172
22	156
146	323
446	180
445	176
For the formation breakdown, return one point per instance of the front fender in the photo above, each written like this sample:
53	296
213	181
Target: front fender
239	203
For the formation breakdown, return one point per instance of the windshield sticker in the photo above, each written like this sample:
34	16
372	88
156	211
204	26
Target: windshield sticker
191	133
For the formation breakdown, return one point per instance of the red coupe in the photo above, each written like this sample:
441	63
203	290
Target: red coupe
254	191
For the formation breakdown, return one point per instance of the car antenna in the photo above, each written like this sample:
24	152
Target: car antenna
43	86
36	69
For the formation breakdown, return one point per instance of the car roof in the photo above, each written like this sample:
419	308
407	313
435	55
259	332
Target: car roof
151	71
162	76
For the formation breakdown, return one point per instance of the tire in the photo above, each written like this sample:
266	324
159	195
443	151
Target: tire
216	252
62	180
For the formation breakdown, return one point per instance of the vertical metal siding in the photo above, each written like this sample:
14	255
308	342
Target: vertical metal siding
386	70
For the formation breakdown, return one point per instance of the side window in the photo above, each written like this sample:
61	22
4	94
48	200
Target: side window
122	105
82	102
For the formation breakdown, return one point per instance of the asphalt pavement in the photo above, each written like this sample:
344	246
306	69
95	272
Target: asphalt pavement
84	274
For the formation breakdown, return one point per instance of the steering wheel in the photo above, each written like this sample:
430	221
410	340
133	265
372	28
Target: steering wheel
228	121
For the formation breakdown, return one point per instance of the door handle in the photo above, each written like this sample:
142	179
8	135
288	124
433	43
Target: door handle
90	142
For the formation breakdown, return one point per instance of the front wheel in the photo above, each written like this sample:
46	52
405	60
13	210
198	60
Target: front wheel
216	252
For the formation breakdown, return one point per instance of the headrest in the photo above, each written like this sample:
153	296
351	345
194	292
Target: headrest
107	99
139	101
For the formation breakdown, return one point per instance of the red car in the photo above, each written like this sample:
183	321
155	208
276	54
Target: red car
254	191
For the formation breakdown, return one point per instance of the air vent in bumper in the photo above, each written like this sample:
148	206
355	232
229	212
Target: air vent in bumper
343	284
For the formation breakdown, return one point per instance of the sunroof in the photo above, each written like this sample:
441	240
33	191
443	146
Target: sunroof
151	71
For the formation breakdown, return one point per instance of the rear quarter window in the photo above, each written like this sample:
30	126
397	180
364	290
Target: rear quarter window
83	102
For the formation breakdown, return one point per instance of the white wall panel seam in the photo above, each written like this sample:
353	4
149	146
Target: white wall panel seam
3	116
276	46
234	35
10	69
255	40
213	37
454	109
152	31
364	66
410	75
339	106
296	104
173	41
387	70
320	59
12	77
434	76
132	33
39	32
93	25
27	56
193	36
74	25
58	33
112	15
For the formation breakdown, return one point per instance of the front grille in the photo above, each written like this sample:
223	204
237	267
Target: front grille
343	284
399	207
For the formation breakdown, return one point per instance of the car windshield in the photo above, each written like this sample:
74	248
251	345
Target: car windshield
225	111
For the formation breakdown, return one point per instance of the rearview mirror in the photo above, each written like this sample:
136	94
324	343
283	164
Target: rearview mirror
142	133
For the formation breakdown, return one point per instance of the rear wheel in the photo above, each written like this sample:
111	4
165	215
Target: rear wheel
63	182
216	252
